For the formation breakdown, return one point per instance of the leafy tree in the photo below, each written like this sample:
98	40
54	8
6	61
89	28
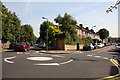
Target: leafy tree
10	25
68	26
26	33
54	30
113	7
104	33
43	28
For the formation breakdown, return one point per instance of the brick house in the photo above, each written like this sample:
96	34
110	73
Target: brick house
85	32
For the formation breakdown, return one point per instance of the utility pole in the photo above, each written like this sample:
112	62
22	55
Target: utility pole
46	34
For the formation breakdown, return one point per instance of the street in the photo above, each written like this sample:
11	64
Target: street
89	64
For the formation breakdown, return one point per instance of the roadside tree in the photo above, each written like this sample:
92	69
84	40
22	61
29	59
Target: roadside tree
26	33
43	29
68	26
104	33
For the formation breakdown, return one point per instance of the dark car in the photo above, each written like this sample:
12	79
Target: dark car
88	47
95	45
22	46
11	46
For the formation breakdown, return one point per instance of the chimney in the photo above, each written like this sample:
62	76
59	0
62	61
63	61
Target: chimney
87	28
81	25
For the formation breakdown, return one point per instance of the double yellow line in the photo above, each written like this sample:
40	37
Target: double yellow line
115	77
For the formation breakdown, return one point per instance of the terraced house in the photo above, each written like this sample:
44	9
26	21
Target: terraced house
85	32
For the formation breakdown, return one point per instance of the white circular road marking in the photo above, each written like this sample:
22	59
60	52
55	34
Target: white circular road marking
40	58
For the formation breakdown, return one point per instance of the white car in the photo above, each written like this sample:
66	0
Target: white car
42	44
118	46
100	45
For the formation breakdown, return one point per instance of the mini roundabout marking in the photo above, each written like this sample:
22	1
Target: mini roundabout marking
46	59
39	58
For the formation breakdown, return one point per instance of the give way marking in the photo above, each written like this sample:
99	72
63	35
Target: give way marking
8	58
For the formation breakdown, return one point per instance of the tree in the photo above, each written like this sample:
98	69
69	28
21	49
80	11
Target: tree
43	28
113	7
68	26
104	33
26	33
54	30
10	25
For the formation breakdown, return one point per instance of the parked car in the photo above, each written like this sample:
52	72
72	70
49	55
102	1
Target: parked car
22	46
88	46
100	45
42	45
95	45
118	47
11	46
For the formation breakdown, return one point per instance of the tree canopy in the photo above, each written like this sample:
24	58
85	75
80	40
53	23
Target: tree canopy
43	28
26	33
68	26
104	33
110	9
11	27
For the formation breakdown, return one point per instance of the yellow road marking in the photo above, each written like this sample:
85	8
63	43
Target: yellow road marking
81	52
116	64
37	51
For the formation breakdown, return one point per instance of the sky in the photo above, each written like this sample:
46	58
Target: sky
87	13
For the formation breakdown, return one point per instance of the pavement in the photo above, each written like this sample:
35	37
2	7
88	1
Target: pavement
60	52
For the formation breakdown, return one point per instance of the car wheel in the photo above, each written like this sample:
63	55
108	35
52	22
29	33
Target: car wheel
28	49
15	50
25	50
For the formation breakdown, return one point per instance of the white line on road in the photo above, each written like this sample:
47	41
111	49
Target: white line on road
19	53
48	64
39	58
54	64
57	56
98	56
27	53
6	59
67	61
105	58
89	55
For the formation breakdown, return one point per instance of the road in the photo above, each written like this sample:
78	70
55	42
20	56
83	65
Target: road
89	64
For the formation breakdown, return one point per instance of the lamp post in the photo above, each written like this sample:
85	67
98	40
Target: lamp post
46	34
92	29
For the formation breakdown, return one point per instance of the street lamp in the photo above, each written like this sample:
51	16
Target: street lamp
94	34
93	27
46	34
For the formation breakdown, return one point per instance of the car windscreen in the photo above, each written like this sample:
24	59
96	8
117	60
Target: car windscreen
17	43
87	45
99	44
118	44
22	44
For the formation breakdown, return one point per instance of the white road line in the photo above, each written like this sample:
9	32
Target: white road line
105	58
67	61
57	56
98	56
6	59
48	64
54	64
19	53
89	55
39	58
27	53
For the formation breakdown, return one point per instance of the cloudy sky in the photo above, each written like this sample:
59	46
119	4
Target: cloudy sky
87	13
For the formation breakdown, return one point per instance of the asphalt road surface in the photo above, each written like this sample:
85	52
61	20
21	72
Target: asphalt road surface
89	64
